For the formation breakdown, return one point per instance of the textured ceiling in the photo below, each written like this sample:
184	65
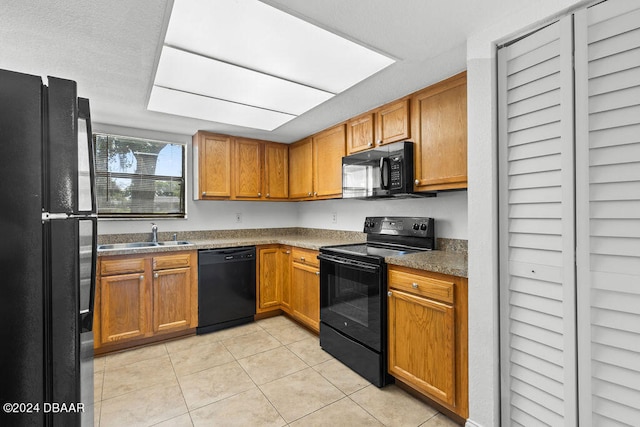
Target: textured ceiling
110	48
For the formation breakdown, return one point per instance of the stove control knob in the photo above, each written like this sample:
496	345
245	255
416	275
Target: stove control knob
416	226
423	227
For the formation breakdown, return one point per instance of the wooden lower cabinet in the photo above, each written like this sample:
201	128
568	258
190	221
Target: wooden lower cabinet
305	287
427	335
171	300
288	280
141	298
124	312
274	277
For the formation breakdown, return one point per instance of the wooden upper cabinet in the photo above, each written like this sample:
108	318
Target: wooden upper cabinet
387	124
440	135
214	165
276	170
301	169
392	123
360	133
247	169
328	150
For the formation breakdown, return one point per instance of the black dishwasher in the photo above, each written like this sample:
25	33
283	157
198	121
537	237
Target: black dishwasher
226	288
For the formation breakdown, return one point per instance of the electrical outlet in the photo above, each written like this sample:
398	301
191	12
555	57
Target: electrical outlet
238	217
334	217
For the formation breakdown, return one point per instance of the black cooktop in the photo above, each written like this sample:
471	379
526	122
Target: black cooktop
369	250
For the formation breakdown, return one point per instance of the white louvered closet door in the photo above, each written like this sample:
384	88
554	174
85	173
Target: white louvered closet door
608	212
537	241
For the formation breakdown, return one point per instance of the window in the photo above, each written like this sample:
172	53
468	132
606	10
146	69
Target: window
139	177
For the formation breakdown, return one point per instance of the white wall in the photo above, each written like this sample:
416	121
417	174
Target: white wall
449	209
484	376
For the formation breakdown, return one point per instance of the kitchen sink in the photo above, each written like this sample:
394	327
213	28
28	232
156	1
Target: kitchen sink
174	243
138	245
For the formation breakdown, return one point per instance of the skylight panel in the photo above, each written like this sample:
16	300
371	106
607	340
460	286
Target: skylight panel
248	53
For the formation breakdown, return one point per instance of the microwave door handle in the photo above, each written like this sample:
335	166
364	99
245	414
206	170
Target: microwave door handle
385	170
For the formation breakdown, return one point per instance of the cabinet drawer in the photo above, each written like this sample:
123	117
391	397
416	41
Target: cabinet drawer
172	261
110	267
305	256
424	285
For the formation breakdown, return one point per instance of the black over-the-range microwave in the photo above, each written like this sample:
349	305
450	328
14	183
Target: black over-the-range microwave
384	171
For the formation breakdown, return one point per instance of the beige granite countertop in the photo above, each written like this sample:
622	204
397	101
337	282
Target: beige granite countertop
445	262
451	258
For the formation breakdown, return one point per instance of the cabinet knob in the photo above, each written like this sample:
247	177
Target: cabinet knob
389	293
204	193
416	182
155	275
259	194
315	193
301	258
141	277
287	252
309	193
317	273
379	142
370	144
414	285
268	195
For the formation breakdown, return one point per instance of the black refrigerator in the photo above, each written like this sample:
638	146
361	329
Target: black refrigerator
48	253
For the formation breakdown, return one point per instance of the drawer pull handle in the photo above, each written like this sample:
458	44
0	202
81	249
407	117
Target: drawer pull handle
414	285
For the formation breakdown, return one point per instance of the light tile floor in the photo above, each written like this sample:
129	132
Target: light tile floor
267	373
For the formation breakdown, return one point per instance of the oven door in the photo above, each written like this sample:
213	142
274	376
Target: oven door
350	298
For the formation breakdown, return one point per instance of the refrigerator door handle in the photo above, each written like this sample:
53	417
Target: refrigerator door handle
84	114
86	313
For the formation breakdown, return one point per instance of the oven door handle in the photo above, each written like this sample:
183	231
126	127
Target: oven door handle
349	263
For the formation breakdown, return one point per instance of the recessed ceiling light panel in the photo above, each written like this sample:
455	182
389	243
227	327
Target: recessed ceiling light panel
187	72
245	53
215	110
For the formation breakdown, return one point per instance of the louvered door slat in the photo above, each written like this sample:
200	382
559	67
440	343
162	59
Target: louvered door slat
608	211
536	158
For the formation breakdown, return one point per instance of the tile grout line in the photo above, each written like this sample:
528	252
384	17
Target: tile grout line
179	386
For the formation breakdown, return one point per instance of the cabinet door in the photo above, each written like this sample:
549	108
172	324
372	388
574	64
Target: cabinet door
214	163
248	169
301	169
284	273
276	161
268	289
328	150
305	295
124	307
422	344
171	300
440	133
360	133
392	123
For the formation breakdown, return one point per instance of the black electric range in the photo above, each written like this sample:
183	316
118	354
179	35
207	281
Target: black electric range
353	282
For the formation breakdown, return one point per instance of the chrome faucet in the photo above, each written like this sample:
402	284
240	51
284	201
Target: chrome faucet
154	233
